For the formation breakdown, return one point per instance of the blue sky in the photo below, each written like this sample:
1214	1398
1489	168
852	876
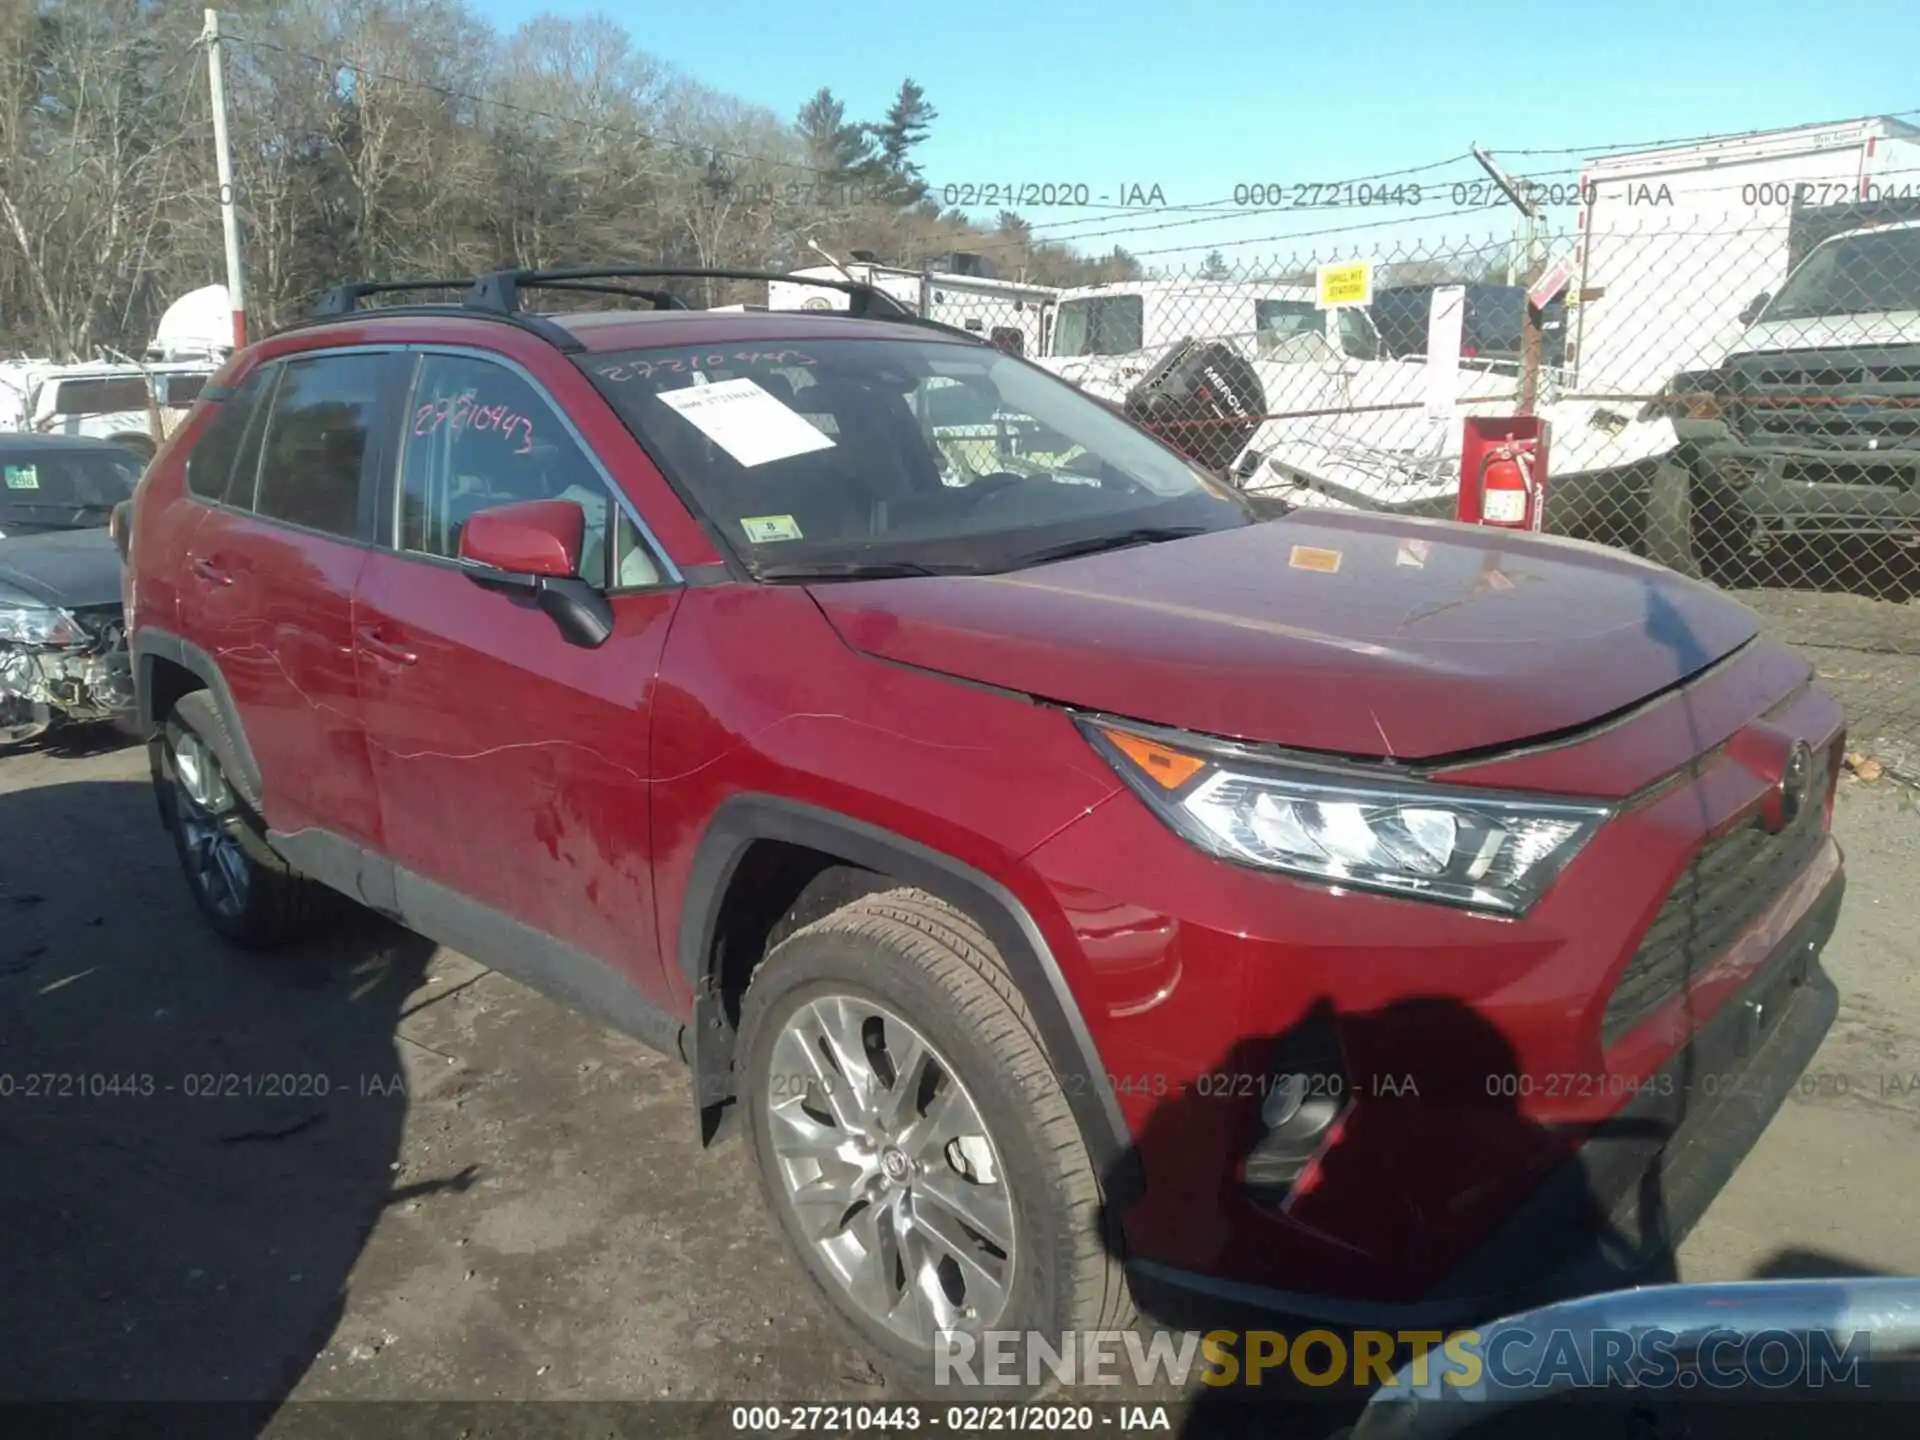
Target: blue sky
1201	98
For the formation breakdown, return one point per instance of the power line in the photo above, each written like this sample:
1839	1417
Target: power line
1226	206
1331	230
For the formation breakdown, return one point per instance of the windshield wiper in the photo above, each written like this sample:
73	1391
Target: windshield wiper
857	570
1118	540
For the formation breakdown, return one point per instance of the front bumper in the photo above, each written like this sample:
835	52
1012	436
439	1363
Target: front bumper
79	685
1474	1054
1614	1212
1781	492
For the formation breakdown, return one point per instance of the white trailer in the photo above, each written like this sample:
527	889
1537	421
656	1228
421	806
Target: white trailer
1010	314
1675	243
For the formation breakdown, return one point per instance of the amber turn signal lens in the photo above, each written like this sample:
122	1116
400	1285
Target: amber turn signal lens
1169	769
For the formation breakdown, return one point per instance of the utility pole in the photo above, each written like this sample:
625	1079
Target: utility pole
1534	264
223	160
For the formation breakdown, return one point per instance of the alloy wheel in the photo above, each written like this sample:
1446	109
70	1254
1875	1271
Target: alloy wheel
890	1170
216	865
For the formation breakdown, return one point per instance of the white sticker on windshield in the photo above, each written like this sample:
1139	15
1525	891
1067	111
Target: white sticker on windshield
23	477
762	528
745	421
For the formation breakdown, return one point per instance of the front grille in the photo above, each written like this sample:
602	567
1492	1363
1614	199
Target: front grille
1729	883
1840	399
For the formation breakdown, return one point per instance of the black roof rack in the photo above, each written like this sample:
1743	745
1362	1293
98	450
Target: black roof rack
496	296
500	291
345	299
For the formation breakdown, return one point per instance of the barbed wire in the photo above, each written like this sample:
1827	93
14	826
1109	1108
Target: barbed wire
1627	146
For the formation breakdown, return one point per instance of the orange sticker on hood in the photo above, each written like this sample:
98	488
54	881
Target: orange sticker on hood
1306	557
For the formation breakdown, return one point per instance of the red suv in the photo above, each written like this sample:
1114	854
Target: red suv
1082	879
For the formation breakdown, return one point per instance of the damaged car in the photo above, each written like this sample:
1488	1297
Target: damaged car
63	654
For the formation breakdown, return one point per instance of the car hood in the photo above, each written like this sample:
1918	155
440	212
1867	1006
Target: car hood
1342	632
69	568
1828	332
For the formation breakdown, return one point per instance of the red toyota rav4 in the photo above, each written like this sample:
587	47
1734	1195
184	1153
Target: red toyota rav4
1080	879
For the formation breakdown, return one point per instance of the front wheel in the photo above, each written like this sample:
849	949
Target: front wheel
250	895
915	1145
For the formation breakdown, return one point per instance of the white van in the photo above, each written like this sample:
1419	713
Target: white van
1278	322
110	402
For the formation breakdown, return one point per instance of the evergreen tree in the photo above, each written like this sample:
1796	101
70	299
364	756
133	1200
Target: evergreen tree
906	126
837	148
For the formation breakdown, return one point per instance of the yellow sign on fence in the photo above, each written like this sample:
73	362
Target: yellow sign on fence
1348	284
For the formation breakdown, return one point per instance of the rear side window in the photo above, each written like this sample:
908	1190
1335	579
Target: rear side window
182	390
210	466
314	452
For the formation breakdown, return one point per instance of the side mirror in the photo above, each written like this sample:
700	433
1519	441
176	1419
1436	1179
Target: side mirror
532	549
1754	307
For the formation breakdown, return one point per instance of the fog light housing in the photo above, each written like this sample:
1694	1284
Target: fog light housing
1303	1093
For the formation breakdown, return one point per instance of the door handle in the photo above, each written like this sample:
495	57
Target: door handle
381	648
208	571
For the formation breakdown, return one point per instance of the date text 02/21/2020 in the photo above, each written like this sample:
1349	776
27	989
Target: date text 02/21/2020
1027	194
1362	194
970	1419
195	1085
787	1086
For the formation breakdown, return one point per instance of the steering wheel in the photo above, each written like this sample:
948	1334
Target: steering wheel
994	482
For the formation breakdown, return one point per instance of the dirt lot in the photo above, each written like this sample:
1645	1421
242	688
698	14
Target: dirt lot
461	1192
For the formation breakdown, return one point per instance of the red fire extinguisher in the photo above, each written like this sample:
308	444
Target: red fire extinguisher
1503	472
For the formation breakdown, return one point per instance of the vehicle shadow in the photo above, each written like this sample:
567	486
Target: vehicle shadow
194	1141
1424	1125
76	742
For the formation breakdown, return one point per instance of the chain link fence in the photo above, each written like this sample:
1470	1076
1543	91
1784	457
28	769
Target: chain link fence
1735	395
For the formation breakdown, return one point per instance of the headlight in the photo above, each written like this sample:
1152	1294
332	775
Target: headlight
25	621
1473	848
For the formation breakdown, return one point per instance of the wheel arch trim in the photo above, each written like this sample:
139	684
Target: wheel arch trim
230	747
749	817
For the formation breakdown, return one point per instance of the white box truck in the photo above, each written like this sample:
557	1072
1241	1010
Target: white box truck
1675	243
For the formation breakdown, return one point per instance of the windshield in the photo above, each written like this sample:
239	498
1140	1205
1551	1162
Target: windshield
916	455
1099	325
63	489
1860	275
1288	329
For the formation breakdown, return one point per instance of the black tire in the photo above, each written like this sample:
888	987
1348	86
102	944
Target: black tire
250	895
934	967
